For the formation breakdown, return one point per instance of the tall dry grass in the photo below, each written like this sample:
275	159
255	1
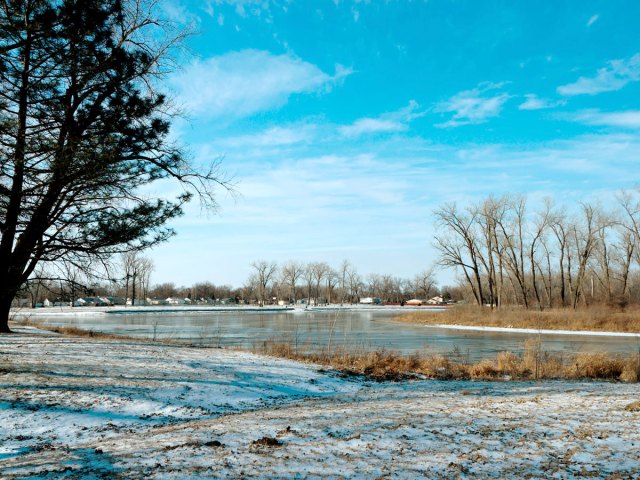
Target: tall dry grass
597	319
533	363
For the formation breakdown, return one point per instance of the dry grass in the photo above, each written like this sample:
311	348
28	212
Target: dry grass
533	363
597	319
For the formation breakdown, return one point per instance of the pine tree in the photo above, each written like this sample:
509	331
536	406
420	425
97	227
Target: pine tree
82	130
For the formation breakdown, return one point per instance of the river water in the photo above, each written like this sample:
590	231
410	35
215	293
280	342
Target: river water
369	329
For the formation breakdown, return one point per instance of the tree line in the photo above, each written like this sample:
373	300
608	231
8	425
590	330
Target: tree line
551	256
319	282
291	282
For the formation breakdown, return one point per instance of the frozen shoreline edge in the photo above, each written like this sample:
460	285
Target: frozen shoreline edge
535	331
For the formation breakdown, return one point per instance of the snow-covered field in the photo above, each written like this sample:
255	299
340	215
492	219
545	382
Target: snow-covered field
88	408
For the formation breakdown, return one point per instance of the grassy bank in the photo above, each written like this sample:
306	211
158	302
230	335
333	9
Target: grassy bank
533	363
597	319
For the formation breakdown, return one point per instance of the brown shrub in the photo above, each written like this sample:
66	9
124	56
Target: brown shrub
633	406
510	363
484	370
595	365
631	369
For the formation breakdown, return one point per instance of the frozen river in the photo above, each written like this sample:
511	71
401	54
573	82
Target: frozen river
356	328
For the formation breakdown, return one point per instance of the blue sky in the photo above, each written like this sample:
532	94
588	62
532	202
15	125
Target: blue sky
346	123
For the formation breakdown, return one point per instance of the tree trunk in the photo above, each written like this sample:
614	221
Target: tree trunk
5	305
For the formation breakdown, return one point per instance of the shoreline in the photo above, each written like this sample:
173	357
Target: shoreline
479	328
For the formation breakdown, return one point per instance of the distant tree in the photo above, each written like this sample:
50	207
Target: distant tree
204	290
355	285
164	290
319	271
424	283
292	272
82	130
136	273
332	278
308	275
345	268
374	284
264	272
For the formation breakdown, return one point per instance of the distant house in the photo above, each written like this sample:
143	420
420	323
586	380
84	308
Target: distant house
93	302
176	301
436	301
371	301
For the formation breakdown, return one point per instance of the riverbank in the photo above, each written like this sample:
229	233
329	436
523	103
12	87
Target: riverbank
595	319
534	363
81	407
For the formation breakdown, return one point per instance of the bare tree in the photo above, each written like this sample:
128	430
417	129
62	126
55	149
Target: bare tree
355	285
264	272
292	272
424	282
458	245
345	268
332	278
319	271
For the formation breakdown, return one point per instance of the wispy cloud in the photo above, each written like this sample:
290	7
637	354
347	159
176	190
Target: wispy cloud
593	19
533	102
614	76
473	106
372	125
629	119
276	136
177	11
242	7
387	123
240	84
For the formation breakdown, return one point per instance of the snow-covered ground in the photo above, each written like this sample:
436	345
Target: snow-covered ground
88	408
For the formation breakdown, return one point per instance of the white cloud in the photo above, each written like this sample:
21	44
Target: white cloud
242	83
371	125
533	102
473	106
387	123
625	119
177	12
610	78
271	137
592	20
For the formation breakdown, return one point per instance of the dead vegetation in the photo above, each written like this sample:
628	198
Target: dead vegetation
532	363
633	407
267	442
596	319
